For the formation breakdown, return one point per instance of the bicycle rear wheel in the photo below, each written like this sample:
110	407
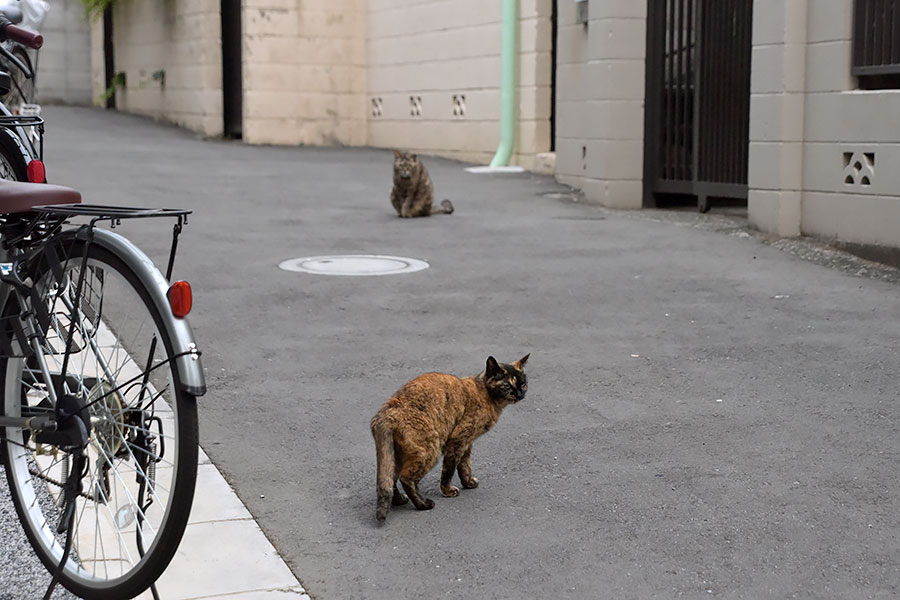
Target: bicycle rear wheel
12	163
142	453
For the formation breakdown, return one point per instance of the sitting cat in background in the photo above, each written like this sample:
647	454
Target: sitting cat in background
438	413
413	194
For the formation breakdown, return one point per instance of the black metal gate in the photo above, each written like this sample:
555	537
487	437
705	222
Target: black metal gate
697	109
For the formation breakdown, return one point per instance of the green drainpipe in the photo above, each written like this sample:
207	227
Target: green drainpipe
508	83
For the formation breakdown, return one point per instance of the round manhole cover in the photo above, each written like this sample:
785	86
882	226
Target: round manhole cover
354	264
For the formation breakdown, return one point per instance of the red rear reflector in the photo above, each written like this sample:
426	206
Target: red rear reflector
36	172
180	298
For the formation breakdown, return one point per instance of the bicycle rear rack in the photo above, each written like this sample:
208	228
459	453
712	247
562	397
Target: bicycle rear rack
21	120
115	214
109	213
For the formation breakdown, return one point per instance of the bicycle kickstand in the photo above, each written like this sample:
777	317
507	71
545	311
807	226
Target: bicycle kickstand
72	488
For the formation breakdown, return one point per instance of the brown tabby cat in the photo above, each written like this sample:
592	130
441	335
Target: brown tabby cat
438	413
413	194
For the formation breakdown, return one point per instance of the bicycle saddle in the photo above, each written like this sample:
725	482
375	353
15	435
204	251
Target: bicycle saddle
17	196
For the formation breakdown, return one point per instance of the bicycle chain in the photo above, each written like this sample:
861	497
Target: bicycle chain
60	485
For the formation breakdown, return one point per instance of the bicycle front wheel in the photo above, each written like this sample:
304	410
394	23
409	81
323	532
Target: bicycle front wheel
22	91
138	484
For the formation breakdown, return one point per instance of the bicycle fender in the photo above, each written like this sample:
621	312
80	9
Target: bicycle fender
17	142
190	370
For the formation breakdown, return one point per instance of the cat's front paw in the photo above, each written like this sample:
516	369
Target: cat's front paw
470	483
450	491
427	504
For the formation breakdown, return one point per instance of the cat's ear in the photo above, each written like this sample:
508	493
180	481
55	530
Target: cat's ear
413	156
492	367
396	154
521	362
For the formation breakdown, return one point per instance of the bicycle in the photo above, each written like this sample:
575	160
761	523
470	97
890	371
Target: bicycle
99	375
29	14
21	129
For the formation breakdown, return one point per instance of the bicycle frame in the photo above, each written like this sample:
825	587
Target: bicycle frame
25	423
26	132
98	404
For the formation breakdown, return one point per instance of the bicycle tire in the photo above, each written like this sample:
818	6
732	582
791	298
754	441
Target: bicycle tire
22	90
31	474
12	163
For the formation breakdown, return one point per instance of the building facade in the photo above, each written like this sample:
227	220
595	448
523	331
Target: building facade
169	55
424	76
818	98
783	104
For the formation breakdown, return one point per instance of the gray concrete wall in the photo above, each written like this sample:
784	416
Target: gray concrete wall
777	87
446	55
304	72
343	72
181	38
822	152
64	63
600	100
852	140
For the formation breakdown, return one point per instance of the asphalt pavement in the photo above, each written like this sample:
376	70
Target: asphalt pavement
708	415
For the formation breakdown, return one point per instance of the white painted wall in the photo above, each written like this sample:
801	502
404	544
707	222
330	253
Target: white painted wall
428	51
304	72
810	125
181	38
600	101
64	63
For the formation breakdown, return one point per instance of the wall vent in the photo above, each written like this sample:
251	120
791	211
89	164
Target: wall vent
859	169
459	105
415	106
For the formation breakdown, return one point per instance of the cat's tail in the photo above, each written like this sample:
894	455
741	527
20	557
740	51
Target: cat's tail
384	456
446	208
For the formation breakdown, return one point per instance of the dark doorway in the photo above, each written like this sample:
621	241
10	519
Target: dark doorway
109	63
232	76
553	54
697	113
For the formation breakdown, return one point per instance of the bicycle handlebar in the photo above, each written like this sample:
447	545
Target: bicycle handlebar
26	37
